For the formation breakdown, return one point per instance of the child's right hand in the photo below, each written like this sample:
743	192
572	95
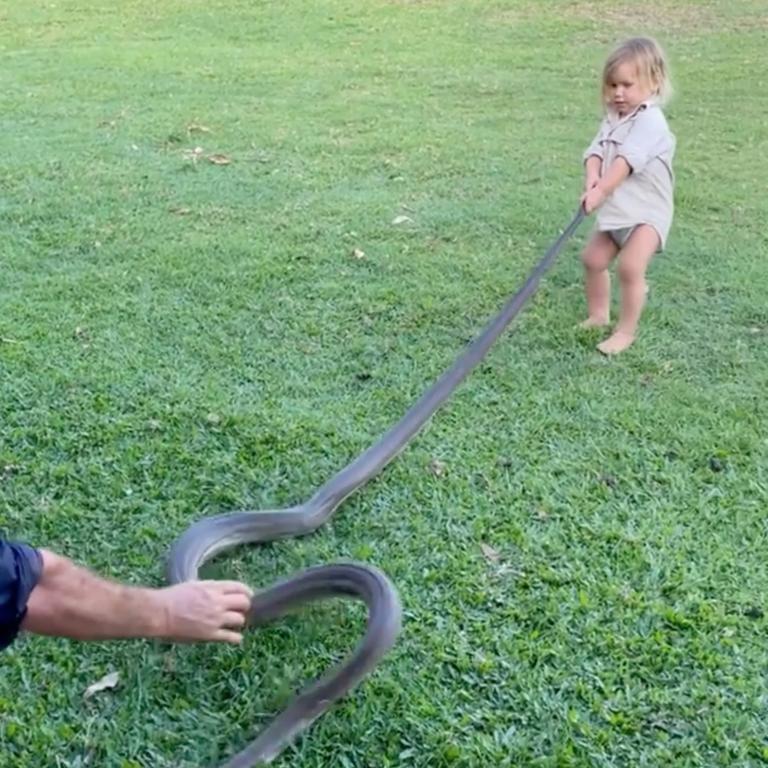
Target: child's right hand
591	181
593	199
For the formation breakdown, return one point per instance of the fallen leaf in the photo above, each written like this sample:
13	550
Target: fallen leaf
180	210
107	682
401	220
358	254
197	128
490	553
436	467
219	159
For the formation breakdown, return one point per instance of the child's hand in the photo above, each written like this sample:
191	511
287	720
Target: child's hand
592	180
593	199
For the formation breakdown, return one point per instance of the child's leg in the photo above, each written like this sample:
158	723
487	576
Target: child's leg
598	254
633	262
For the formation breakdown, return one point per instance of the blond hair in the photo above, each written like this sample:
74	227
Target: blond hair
649	59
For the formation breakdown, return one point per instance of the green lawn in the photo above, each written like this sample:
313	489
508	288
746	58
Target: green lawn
181	338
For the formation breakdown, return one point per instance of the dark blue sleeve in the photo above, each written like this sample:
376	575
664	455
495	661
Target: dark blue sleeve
20	569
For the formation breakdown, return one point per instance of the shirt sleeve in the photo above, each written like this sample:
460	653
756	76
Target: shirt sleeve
595	148
20	569
647	139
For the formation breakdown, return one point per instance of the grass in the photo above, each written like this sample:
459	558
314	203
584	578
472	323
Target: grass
182	338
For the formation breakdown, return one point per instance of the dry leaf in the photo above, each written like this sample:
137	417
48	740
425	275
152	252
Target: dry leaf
401	220
219	159
358	254
107	682
180	210
490	553
197	128
436	467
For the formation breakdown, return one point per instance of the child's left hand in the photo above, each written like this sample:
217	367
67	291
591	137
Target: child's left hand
593	199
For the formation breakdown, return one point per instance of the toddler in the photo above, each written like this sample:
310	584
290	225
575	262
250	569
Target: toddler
629	182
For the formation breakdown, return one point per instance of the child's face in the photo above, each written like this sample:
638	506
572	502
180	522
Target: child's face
625	91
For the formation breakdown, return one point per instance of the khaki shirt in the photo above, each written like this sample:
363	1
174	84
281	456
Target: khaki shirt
644	140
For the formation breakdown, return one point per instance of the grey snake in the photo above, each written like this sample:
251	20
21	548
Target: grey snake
212	535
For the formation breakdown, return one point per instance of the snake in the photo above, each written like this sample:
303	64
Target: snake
211	536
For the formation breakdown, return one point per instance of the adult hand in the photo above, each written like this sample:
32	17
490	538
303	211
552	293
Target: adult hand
204	610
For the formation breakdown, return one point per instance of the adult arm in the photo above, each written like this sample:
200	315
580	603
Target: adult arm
71	601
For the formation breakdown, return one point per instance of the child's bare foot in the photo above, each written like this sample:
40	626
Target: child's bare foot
616	343
594	322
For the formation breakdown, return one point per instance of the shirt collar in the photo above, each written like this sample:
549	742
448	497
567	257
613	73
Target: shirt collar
614	118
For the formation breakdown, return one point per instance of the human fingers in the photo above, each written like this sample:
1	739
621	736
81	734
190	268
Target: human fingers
233	620
234	601
227	636
229	587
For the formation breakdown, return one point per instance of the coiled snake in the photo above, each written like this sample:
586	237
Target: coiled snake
211	536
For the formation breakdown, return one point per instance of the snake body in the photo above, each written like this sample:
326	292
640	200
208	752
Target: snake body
210	536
